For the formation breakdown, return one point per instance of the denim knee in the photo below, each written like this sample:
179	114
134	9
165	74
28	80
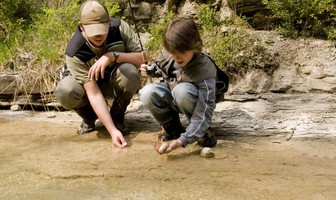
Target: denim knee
185	94
146	94
156	94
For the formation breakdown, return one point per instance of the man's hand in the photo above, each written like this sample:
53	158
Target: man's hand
98	68
118	139
172	146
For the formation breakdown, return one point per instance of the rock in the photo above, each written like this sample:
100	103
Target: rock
15	108
246	7
225	12
251	86
9	83
163	147
207	152
189	8
254	10
51	115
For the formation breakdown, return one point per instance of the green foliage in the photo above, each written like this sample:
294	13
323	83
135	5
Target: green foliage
17	12
154	43
52	30
16	18
235	50
113	8
208	18
314	18
48	29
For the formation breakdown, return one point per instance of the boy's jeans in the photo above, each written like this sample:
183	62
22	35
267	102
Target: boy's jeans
163	104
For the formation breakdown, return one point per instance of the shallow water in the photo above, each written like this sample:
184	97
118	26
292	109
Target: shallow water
43	160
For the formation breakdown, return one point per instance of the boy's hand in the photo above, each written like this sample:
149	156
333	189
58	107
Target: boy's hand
172	146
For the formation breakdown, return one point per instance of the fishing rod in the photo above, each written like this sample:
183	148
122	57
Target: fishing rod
143	53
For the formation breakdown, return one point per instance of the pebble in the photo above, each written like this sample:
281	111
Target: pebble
207	152
15	108
164	146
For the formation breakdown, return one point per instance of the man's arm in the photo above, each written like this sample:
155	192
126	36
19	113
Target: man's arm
100	107
134	58
98	68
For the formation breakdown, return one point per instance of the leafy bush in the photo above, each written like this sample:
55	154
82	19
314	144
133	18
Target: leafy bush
16	18
208	18
154	43
233	49
17	12
52	30
48	31
236	51
305	17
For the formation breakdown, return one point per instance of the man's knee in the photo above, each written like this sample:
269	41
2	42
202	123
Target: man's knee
70	94
128	78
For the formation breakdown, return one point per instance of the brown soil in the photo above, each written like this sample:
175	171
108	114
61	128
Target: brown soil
43	158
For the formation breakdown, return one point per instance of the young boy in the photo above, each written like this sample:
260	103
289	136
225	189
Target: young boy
102	60
193	94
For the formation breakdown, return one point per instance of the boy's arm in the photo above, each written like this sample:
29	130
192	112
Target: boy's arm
202	116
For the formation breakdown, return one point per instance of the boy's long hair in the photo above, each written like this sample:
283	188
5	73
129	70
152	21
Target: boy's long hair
182	35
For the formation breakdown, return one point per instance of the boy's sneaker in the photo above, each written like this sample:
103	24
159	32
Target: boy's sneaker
85	128
208	140
170	133
167	137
